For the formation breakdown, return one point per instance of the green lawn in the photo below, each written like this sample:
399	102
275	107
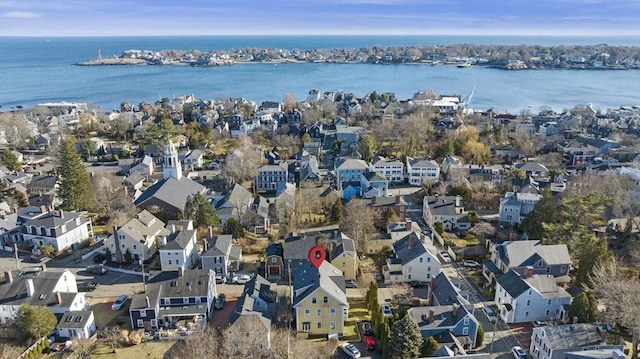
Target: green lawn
104	315
357	312
150	350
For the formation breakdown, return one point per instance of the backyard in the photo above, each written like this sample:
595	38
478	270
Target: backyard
357	312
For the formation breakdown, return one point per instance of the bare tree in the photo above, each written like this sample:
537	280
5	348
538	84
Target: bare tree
112	336
620	294
358	222
211	345
82	349
111	196
289	101
243	161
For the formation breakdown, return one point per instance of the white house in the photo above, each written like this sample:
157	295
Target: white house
221	255
422	170
449	210
528	297
39	287
556	341
411	261
77	325
57	228
392	170
178	250
144	167
515	206
194	160
139	237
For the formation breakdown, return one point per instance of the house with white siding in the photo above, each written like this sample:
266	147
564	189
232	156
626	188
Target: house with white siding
391	169
420	171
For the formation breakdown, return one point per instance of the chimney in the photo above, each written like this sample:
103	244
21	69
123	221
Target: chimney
205	245
458	200
411	240
58	298
43	267
61	214
454	309
30	287
373	200
397	199
164	241
173	228
407	225
147	299
528	271
8	276
43	209
575	320
180	272
432	314
210	232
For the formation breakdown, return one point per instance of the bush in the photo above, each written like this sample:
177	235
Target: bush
134	337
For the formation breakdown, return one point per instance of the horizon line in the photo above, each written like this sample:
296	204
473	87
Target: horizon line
339	34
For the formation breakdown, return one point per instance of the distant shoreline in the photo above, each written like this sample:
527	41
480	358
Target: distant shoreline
521	57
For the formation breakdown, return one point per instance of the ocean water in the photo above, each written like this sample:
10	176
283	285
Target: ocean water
36	70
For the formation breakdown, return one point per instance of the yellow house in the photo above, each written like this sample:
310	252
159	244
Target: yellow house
319	299
345	258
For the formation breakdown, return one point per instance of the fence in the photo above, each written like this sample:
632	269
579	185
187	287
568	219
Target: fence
32	347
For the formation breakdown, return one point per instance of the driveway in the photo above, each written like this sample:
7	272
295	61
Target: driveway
221	317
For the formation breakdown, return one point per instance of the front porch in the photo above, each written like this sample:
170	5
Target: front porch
178	327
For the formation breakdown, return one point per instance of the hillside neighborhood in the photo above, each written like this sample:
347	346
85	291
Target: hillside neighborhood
182	228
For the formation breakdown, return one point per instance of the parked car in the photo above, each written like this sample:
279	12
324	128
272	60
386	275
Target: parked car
539	323
351	350
87	286
241	279
445	257
418	284
119	303
491	315
518	352
369	342
367	328
33	259
351	283
220	301
471	264
220	279
386	310
378	277
97	269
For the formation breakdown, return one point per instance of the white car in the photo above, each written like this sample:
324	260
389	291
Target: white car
471	264
518	352
119	303
445	257
351	350
491	315
386	310
241	279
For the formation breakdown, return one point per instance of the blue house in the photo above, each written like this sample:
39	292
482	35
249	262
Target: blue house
456	319
350	190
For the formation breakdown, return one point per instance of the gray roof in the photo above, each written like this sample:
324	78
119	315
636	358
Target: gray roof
56	219
239	197
133	179
443	205
409	248
43	181
515	284
524	253
445	292
15	292
423	164
571	335
388	163
353	164
219	246
171	191
280	167
387	201
375	177
296	247
532	167
75	319
346	246
169	284
274	249
307	279
443	316
143	225
179	240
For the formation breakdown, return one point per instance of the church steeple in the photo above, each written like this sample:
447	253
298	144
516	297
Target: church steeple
171	167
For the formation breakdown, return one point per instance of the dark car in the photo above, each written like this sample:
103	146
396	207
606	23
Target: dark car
367	328
220	301
97	269
351	283
33	259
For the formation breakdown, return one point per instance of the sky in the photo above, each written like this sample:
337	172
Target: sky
319	17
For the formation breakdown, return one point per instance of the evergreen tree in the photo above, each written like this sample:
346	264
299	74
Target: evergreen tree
479	336
35	322
406	339
10	160
584	307
367	147
372	296
389	216
430	345
337	212
385	341
199	209
234	228
591	251
74	189
544	211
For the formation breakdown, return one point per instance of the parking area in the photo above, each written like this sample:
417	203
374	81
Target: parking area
522	332
221	317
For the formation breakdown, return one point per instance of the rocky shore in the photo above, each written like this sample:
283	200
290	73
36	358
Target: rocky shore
521	57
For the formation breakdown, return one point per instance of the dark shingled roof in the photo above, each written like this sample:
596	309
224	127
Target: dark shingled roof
179	240
513	283
409	248
169	284
75	319
171	191
15	293
219	245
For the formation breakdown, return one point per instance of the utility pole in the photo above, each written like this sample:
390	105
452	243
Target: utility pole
15	250
144	282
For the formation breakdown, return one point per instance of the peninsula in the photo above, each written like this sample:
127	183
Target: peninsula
510	57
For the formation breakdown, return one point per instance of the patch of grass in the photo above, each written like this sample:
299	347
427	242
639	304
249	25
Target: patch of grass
102	311
151	350
357	312
100	230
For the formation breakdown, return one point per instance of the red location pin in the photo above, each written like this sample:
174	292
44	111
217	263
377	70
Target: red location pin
316	256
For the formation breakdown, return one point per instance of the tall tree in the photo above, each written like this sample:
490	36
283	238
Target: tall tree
357	223
430	345
10	160
590	251
35	322
367	147
406	338
544	211
584	307
385	339
199	209
579	213
389	216
74	189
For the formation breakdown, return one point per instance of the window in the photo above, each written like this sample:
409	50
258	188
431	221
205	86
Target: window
314	300
273	260
306	326
333	312
307	313
319	312
549	302
177	262
409	276
140	323
421	259
154	323
319	325
325	300
465	331
143	313
466	321
526	314
332	325
528	303
169	261
135	246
